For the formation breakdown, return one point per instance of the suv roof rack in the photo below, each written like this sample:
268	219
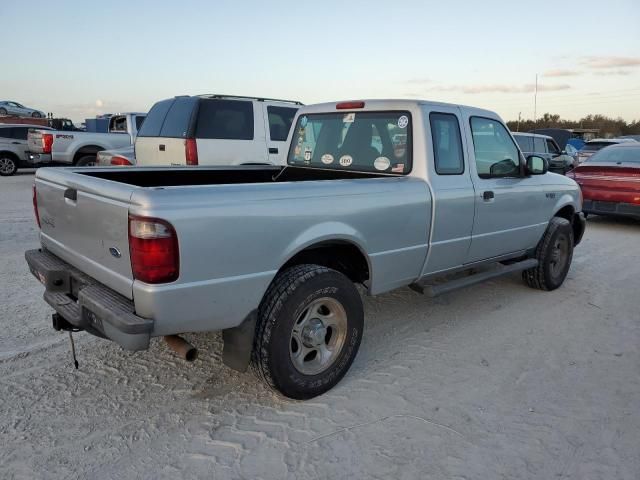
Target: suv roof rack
259	99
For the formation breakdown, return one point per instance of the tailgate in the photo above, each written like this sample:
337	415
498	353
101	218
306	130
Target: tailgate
34	141
160	151
84	221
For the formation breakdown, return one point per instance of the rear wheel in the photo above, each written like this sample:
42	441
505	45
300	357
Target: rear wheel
8	165
3	111
554	254
308	332
87	161
36	115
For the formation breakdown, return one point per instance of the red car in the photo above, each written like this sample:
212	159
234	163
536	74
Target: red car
610	181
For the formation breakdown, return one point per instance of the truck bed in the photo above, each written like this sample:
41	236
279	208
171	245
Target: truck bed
174	177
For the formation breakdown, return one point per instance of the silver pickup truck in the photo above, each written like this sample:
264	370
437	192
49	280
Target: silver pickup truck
380	193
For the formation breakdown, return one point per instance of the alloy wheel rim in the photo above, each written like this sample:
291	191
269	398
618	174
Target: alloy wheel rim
6	165
318	336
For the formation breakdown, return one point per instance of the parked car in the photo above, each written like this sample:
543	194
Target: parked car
81	148
592	146
610	181
13	148
547	148
216	130
14	108
122	157
270	255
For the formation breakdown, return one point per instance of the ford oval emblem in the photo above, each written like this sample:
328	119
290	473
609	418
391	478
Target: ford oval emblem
115	252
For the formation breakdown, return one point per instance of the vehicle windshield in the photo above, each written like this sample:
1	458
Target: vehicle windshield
595	146
361	141
616	155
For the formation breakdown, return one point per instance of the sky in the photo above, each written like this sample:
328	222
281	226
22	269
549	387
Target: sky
82	58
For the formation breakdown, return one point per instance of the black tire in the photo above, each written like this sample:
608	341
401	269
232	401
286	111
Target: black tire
3	111
289	297
35	115
8	165
554	254
87	161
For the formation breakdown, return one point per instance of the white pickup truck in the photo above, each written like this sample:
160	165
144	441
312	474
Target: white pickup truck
80	148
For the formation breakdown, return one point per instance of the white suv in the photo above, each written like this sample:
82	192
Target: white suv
215	130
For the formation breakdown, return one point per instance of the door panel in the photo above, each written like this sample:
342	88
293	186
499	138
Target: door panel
453	191
508	217
277	124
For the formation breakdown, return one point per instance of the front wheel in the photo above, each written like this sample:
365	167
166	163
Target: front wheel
3	111
554	254
8	166
308	331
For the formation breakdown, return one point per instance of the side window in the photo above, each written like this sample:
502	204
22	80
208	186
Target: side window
19	133
524	142
5	132
178	119
225	120
496	154
139	120
447	144
539	145
155	118
552	147
280	120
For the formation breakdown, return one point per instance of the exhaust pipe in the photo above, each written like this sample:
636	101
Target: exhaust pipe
183	348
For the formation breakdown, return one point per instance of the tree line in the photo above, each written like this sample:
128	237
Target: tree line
609	127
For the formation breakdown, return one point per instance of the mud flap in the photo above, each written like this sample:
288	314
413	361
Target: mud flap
238	343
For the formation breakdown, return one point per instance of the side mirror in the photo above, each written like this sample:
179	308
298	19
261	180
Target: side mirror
536	165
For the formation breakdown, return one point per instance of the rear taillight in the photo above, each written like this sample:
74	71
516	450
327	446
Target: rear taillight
35	204
121	161
191	151
47	142
153	247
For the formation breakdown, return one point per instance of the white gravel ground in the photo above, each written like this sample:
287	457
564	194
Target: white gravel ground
495	381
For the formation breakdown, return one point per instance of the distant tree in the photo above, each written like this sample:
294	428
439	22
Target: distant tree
609	127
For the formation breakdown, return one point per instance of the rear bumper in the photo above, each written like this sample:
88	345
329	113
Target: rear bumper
38	158
598	207
87	304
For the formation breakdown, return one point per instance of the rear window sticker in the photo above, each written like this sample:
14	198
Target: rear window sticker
349	118
299	140
398	167
403	121
345	160
307	154
297	151
381	163
399	151
303	121
327	159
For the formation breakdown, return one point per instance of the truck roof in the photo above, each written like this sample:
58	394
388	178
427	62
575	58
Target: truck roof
394	104
259	99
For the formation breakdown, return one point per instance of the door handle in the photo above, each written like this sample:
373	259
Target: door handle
161	148
488	195
273	150
15	143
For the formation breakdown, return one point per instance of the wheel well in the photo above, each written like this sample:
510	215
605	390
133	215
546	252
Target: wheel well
86	150
344	257
6	153
566	212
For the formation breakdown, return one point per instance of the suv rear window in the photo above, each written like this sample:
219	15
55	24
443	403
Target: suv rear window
362	141
524	142
280	120
176	123
155	118
225	119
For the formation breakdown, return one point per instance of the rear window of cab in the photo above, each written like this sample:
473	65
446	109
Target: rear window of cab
357	141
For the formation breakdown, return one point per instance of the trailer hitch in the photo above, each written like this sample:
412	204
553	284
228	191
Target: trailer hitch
60	324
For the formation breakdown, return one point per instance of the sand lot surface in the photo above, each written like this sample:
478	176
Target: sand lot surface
491	382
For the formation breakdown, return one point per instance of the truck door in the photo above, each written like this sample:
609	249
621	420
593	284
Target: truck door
508	216
453	190
278	120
